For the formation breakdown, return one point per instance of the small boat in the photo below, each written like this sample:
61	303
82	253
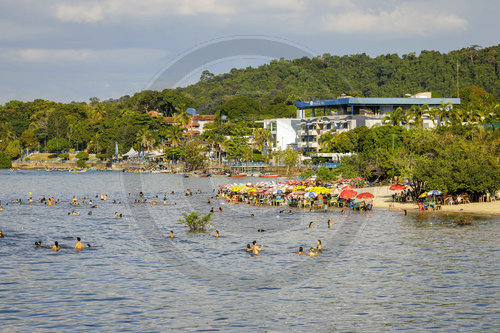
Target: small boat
270	176
241	175
78	170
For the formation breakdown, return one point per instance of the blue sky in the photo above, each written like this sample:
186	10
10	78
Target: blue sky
74	50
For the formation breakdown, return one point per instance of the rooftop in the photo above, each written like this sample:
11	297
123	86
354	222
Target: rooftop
375	101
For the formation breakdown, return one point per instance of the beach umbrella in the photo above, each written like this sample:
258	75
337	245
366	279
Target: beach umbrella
348	194
434	192
423	195
310	194
365	195
348	187
397	187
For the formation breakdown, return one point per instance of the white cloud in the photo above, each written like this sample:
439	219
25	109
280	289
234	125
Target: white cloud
95	11
405	19
111	56
84	12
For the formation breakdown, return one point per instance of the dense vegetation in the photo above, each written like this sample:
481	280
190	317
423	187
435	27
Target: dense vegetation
283	82
452	159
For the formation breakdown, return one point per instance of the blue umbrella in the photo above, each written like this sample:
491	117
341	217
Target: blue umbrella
434	192
279	191
311	194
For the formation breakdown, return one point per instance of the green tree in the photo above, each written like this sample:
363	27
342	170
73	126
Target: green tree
5	161
55	145
29	139
194	154
290	157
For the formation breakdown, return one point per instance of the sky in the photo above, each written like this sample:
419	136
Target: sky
74	50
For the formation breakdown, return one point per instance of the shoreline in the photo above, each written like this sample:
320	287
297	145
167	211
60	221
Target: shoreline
383	198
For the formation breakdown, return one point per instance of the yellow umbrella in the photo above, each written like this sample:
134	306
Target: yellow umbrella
423	195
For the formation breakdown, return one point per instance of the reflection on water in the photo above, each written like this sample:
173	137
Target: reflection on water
379	271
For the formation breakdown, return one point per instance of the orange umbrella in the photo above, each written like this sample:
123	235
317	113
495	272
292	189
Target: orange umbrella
397	187
365	195
348	194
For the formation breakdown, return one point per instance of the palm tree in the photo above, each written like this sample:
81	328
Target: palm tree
456	116
215	140
327	141
417	113
395	118
174	134
97	112
442	112
146	139
183	118
262	136
473	115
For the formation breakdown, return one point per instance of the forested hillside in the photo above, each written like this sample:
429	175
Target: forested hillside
327	76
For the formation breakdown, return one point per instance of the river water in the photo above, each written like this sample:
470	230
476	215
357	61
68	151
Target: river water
379	271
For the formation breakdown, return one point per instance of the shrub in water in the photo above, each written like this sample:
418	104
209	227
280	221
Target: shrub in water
196	222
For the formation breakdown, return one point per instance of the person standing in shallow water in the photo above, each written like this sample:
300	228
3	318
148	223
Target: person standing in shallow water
79	245
56	246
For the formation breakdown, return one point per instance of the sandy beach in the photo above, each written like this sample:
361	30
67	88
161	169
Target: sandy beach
383	198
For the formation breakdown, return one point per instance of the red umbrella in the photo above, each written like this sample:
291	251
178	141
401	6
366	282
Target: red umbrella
365	195
397	187
348	194
348	187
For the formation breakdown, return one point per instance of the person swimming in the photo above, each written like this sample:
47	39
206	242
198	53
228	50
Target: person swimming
75	213
56	247
248	249
252	215
319	247
212	210
79	244
217	233
208	201
300	251
171	234
260	230
310	226
39	244
405	212
311	252
255	248
330	224
116	215
220	209
1	234
90	212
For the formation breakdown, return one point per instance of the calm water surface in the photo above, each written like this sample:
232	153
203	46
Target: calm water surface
379	271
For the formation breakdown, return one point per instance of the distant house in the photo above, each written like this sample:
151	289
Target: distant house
195	127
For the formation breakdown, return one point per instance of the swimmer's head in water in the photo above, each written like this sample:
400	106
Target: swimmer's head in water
56	243
77	239
254	242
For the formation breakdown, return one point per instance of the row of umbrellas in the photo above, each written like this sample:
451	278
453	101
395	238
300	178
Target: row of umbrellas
297	189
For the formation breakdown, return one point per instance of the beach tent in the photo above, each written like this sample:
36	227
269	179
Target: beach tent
131	153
